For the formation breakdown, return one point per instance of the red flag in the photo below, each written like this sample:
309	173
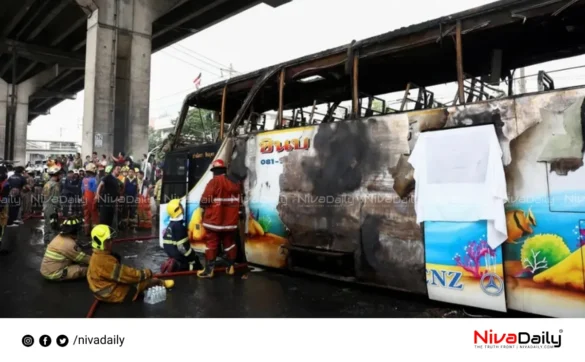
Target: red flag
197	81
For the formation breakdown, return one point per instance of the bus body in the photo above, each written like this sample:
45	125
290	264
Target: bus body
336	198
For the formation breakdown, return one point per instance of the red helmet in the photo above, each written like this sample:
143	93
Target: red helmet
217	164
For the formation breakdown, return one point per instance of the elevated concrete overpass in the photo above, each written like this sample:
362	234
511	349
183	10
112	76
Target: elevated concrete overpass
52	49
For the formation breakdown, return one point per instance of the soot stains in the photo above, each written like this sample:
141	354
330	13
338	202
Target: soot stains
370	241
562	167
583	124
237	167
472	116
403	175
345	156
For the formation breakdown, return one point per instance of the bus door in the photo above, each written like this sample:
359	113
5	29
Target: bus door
200	159
174	186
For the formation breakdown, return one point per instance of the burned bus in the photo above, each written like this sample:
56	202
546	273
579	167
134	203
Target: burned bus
328	177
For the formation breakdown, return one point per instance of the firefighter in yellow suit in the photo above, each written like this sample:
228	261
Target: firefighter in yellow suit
64	259
109	280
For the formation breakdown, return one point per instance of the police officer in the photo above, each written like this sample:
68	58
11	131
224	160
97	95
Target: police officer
176	242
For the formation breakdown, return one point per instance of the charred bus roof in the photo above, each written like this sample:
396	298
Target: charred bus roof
523	32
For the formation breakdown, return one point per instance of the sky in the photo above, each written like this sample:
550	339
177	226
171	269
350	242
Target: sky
263	36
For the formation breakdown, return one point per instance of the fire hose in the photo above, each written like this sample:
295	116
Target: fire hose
96	302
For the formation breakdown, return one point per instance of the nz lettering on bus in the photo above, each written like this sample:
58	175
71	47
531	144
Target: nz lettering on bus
445	279
268	145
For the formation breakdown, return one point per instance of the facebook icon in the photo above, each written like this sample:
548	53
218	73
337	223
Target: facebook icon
45	340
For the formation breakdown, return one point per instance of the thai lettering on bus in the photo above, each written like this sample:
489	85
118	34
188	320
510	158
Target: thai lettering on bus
268	145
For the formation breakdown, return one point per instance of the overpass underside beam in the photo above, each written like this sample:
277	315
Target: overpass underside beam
117	75
14	113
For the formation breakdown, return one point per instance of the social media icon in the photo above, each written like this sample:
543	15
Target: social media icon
62	340
45	340
28	340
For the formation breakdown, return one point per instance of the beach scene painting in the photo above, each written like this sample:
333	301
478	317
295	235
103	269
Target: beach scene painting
461	268
544	258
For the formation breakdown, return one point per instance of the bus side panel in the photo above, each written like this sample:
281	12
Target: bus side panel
330	188
546	210
461	268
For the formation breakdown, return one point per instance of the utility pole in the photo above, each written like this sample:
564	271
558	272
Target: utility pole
230	71
522	80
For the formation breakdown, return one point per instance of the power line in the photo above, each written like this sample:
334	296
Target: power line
197	59
552	71
201	55
193	65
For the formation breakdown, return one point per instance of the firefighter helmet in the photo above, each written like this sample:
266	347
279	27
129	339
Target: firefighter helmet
71	226
217	164
99	235
53	170
174	208
90	167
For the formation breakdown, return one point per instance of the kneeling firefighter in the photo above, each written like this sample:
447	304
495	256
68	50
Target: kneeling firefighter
64	259
108	279
221	204
176	242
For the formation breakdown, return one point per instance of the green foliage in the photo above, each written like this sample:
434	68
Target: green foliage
199	125
544	250
265	222
377	105
154	138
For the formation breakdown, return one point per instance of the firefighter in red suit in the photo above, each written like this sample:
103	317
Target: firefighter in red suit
221	204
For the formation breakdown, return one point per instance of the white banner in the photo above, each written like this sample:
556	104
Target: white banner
291	339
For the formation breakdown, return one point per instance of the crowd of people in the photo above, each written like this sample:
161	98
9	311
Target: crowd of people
108	278
69	187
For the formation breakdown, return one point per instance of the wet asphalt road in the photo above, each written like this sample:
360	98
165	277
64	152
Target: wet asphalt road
24	293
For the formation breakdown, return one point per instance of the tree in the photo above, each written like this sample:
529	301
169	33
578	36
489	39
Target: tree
154	138
377	106
199	125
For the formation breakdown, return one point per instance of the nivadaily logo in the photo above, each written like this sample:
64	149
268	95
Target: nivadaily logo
489	339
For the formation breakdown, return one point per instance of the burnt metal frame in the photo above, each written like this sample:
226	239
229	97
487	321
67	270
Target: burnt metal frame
545	81
487	17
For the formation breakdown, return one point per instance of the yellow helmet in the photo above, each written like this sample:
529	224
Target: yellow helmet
174	208
99	235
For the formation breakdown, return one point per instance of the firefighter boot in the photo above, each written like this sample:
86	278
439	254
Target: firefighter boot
208	271
195	265
230	269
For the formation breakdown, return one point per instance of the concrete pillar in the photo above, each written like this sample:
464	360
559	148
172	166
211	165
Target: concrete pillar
117	74
4	103
23	92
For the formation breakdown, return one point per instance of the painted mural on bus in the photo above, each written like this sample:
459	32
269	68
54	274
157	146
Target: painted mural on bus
347	187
